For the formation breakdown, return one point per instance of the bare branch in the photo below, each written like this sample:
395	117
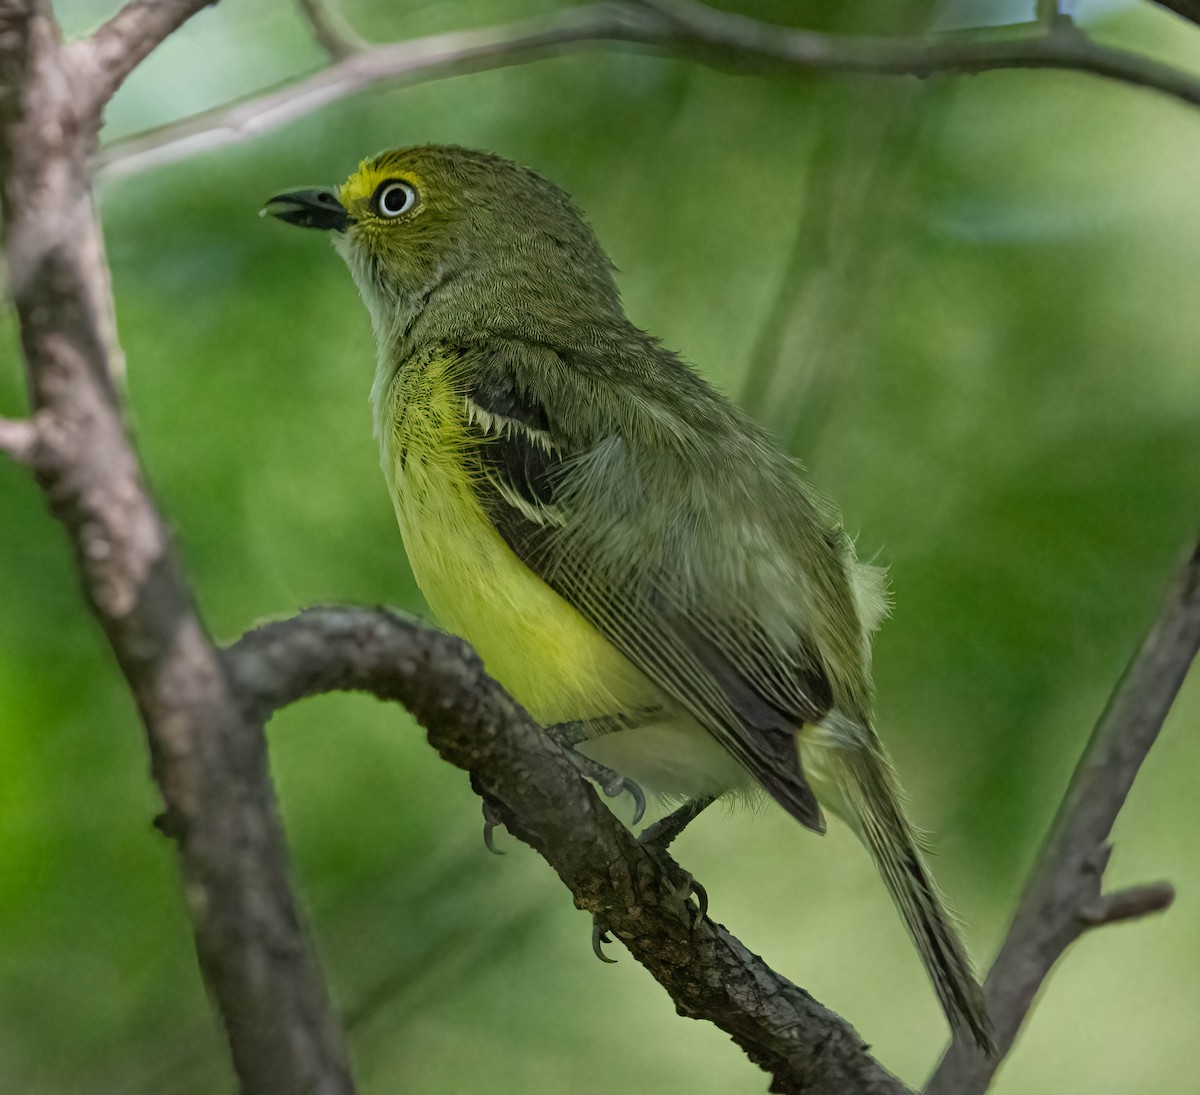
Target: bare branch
429	58
103	61
18	439
1130	904
744	43
1062	898
208	756
719	38
533	788
332	33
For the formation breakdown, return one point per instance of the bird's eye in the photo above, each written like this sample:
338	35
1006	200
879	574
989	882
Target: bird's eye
394	198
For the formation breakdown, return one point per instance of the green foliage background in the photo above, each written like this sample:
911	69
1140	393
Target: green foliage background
969	304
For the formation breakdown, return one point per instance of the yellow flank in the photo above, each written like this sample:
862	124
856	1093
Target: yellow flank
553	662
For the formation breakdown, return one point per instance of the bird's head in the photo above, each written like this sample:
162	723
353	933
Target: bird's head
466	239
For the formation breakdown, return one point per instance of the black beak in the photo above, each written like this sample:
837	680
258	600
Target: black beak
309	209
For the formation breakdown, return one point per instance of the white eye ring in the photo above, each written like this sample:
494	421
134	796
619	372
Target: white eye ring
394	199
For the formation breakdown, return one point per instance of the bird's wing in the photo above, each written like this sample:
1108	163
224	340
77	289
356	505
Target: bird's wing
572	507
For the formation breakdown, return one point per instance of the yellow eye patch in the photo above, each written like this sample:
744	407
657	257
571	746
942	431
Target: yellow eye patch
356	192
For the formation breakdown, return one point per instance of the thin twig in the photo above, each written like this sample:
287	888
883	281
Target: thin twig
746	43
332	33
1063	897
1128	904
723	39
537	793
102	62
429	58
18	439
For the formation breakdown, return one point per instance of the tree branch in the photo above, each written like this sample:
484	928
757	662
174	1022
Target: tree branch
208	756
532	787
719	38
473	724
331	32
1063	899
1129	904
120	45
18	439
433	57
749	44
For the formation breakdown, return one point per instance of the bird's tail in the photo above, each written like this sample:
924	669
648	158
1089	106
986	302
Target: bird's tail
851	775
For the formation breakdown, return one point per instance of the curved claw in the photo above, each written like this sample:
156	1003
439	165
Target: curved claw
701	910
489	829
490	821
600	936
620	784
639	800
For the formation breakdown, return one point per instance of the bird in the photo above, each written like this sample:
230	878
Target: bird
632	556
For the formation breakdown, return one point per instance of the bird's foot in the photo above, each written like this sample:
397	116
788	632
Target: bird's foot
658	837
611	783
684	887
685	891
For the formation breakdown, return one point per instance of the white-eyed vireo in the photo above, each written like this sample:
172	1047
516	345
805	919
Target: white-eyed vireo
629	553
